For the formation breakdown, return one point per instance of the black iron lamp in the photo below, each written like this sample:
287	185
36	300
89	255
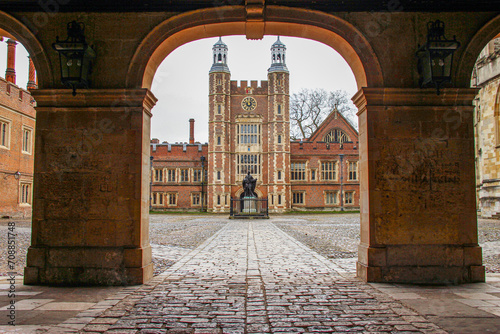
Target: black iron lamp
75	56
436	56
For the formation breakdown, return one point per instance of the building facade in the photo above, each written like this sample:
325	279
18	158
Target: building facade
486	76
17	131
249	131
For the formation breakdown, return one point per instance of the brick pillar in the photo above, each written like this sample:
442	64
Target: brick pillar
31	75
191	131
10	72
418	200
91	191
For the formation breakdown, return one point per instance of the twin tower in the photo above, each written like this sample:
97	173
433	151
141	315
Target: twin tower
249	131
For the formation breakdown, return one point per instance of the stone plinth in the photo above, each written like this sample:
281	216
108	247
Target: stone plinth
91	192
418	205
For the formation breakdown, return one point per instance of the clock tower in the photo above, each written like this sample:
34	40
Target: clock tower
248	132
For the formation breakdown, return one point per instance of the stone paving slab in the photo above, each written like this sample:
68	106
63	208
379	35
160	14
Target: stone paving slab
251	277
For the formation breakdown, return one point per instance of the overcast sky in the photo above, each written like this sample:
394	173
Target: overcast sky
181	82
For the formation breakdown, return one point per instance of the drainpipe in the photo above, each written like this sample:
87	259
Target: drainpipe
151	184
341	182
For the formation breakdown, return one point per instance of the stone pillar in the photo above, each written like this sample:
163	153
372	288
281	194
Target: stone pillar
31	75
10	72
91	191
418	202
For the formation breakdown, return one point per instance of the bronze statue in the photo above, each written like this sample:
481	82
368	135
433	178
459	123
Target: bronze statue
249	184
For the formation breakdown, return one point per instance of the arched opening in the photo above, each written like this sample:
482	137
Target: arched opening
167	43
486	78
18	79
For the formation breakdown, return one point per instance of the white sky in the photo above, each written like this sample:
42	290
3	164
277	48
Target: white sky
181	81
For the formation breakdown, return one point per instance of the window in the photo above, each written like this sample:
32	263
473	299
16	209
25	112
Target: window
298	197
218	199
353	171
279	139
171	175
249	134
218	175
279	108
25	193
248	163
219	109
329	171
195	198
279	175
279	199
4	133
313	174
218	140
184	175
197	175
331	197
160	199
157	199
336	136
158	175
172	199
298	171
27	140
153	199
348	197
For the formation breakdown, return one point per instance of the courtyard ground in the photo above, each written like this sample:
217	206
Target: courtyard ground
335	236
287	274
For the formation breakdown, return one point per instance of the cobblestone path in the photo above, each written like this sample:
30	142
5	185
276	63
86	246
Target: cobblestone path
251	277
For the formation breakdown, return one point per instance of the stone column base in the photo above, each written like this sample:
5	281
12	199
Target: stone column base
88	266
421	264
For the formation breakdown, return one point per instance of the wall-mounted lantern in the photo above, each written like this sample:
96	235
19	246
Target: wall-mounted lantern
435	57
75	56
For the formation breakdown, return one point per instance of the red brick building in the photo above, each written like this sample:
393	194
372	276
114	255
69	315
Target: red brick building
17	134
249	131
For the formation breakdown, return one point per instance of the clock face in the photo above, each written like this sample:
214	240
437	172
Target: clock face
248	103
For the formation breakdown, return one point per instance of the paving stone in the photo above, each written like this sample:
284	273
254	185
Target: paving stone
251	277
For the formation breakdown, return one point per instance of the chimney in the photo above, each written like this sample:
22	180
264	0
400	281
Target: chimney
10	73
191	131
31	75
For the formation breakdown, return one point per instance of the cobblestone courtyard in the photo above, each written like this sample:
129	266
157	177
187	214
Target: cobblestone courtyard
335	236
287	274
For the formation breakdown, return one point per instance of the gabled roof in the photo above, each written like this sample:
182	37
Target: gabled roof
329	123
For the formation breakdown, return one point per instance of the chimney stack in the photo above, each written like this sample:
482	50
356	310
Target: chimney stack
191	131
10	73
31	75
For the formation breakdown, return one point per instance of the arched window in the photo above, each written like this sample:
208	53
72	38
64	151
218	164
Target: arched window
336	136
219	57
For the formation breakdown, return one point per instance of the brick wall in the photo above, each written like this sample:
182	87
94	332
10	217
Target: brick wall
16	166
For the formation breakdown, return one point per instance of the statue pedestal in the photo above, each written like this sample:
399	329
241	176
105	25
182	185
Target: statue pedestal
249	205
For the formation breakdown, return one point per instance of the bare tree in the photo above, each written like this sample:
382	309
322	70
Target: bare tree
309	108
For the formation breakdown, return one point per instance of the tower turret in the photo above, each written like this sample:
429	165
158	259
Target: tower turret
278	51
220	57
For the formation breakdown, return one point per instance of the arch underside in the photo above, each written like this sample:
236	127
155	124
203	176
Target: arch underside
327	29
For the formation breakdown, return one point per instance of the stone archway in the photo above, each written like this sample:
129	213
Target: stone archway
93	228
11	27
324	28
473	49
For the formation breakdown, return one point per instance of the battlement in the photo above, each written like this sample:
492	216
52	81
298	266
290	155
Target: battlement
242	87
178	149
321	147
17	98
